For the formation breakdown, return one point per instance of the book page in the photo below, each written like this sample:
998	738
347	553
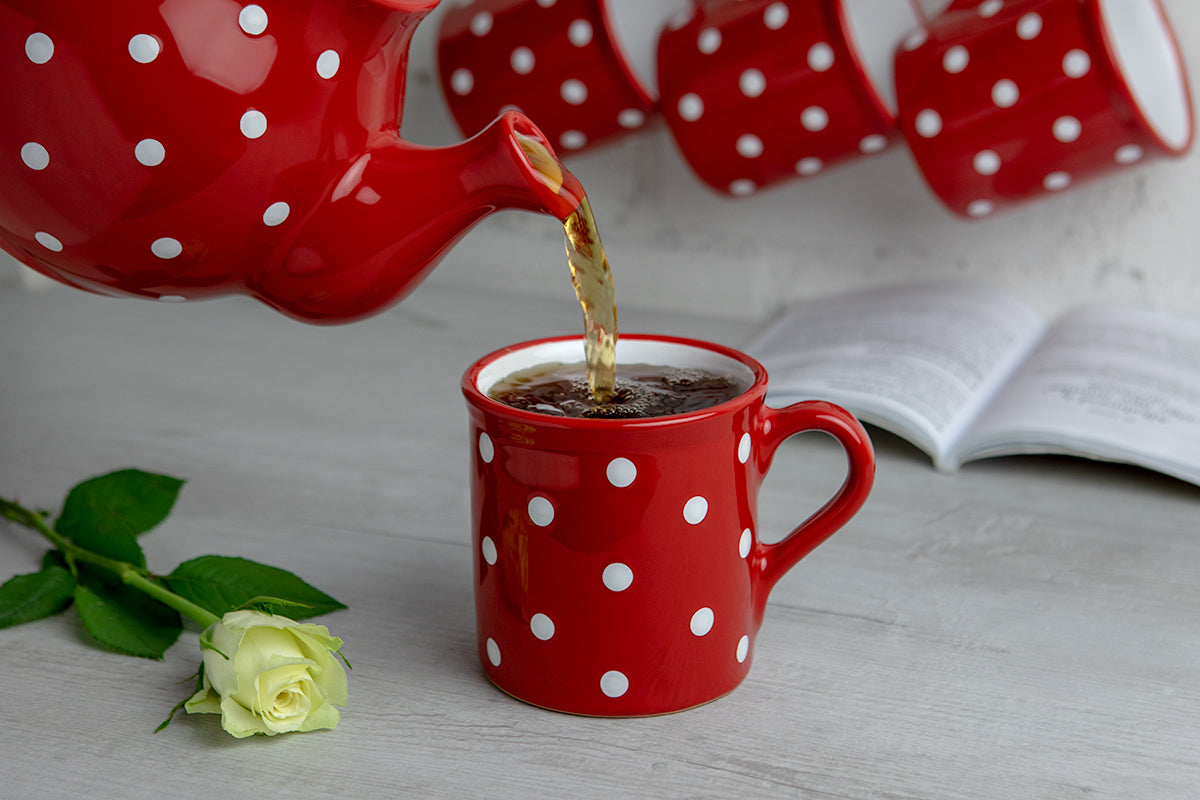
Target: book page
918	360
1113	383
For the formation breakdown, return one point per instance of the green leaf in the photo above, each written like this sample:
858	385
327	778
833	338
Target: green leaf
222	583
53	558
26	598
270	605
106	514
126	620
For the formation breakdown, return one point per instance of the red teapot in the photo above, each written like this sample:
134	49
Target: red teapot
179	149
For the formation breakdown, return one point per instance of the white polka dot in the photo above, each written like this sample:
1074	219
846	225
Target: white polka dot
776	16
253	124
986	162
35	156
253	20
744	543
1076	63
144	48
695	510
150	152
614	684
172	298
990	8
1056	181
541	626
743	649
522	60
631	118
573	91
928	123
541	512
814	118
980	208
580	32
915	39
481	23
488	548
690	107
956	59
1029	26
49	242
749	146
621	472
1129	154
617	577
39	48
702	621
873	143
809	165
1005	93
328	64
546	3
709	41
487	450
493	652
166	248
572	140
820	57
752	83
1067	129
743	451
276	213
743	187
462	81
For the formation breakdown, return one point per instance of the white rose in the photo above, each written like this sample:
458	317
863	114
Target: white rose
265	673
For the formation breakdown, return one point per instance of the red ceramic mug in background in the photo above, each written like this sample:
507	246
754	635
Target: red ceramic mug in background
1005	101
562	62
618	568
757	92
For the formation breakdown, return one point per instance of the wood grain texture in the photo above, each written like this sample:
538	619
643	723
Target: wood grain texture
1028	628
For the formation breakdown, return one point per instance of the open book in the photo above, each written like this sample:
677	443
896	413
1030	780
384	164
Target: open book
966	371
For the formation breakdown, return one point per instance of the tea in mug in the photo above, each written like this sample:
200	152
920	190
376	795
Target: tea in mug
641	390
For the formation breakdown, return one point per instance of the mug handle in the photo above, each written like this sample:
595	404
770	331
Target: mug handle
779	424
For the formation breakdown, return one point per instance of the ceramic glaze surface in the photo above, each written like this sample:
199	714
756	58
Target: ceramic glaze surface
758	92
618	570
179	149
559	62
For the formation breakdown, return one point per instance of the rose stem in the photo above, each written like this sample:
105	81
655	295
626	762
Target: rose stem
128	573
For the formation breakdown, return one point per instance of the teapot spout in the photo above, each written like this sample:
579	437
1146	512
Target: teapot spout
392	214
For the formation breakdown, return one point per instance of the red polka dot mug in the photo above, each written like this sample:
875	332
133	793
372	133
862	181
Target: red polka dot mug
756	92
1006	101
178	149
618	566
562	62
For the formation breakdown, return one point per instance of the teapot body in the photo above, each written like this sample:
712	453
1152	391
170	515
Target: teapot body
179	149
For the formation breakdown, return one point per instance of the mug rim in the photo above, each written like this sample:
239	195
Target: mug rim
1150	122
478	397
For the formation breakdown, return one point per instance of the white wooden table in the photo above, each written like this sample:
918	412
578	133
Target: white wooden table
1029	628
